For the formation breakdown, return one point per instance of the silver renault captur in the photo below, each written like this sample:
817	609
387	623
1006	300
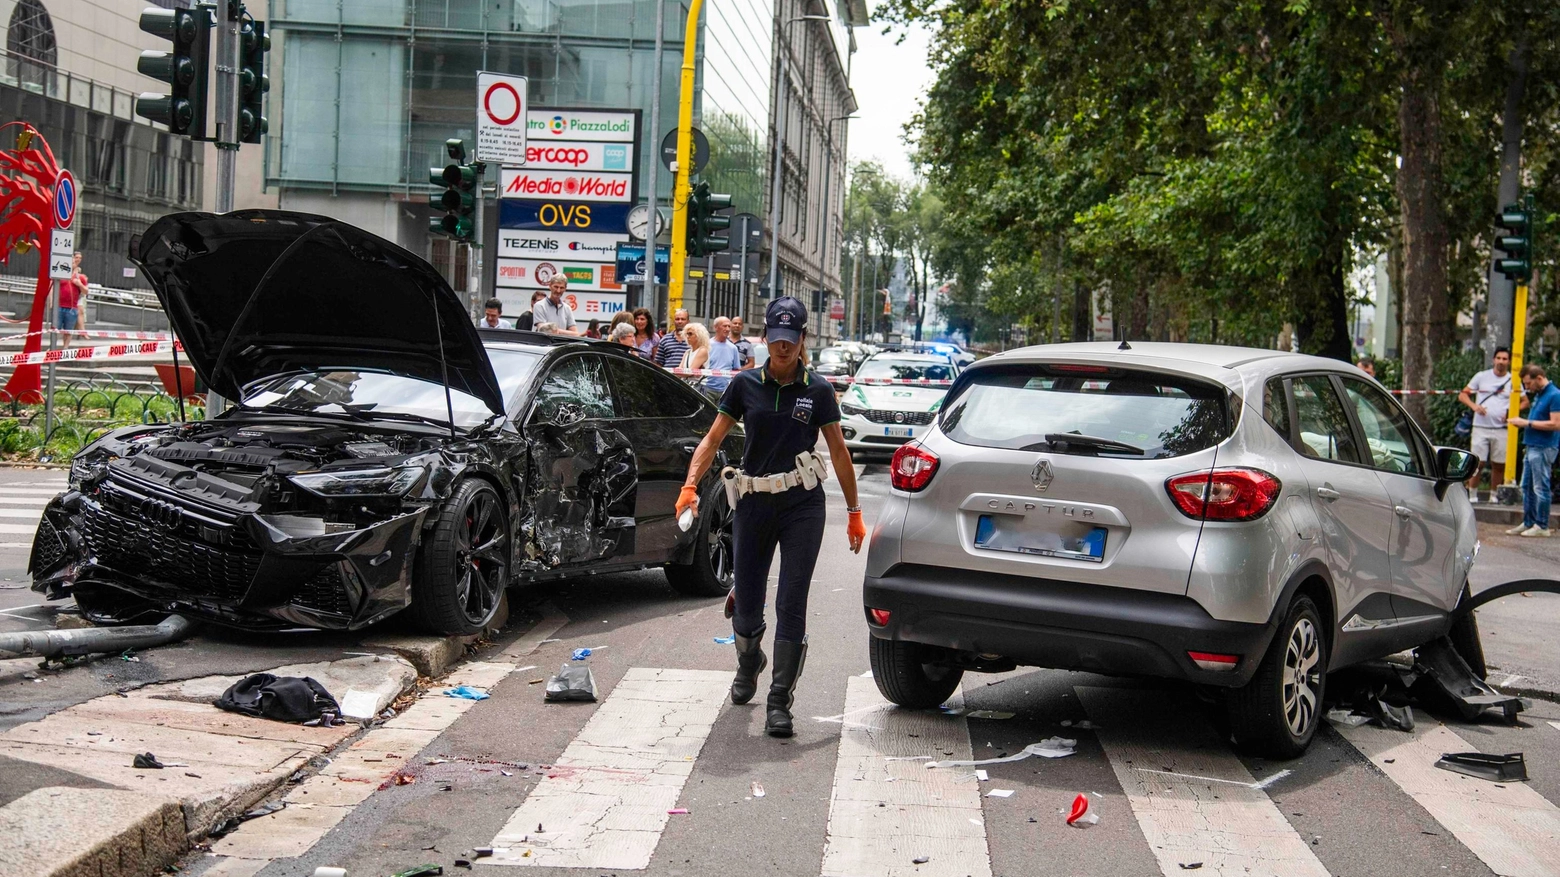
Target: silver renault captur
1240	518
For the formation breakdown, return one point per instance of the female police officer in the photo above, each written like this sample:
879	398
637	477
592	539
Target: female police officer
782	407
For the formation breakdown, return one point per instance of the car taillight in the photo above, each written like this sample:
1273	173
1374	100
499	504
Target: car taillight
1224	494
912	468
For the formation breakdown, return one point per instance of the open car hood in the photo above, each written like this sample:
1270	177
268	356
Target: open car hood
256	293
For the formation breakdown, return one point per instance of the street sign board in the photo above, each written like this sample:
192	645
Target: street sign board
62	246
610	126
583	275
516	243
531	184
501	118
607	218
582	156
701	150
837	309
65	195
632	267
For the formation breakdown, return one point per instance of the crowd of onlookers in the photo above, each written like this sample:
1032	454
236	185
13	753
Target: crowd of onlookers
720	346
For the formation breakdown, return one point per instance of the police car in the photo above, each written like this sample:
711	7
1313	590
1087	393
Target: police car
881	417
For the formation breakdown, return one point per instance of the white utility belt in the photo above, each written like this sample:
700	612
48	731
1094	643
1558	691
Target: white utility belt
809	473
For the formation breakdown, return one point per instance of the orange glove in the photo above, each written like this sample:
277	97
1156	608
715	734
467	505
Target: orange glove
856	530
688	498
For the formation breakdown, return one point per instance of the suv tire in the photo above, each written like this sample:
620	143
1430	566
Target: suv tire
1277	713
904	674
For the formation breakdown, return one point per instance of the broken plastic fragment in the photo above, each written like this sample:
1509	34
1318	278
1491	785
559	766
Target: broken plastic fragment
982	775
1000	793
920	860
574	682
1081	816
988	714
1510	767
725	640
1190	866
1051	747
465	691
757	789
1346	718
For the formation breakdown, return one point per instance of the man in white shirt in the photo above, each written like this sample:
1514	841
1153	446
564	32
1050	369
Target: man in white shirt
1488	395
491	316
552	309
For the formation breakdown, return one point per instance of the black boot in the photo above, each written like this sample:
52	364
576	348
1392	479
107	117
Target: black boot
789	658
751	661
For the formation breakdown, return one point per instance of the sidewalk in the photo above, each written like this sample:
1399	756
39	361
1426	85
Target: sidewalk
1521	633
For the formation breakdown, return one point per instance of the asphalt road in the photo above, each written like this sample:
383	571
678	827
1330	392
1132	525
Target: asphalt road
1170	794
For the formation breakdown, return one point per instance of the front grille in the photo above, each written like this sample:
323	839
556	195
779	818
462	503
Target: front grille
908	418
325	592
883	439
180	553
48	548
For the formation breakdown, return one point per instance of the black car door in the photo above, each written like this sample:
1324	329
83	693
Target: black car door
583	479
664	419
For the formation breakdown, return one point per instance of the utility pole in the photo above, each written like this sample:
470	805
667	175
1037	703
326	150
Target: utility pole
680	173
228	12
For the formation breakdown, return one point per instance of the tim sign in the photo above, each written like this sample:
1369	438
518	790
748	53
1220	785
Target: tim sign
534	184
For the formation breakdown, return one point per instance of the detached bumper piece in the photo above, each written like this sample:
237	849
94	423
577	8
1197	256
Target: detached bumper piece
1445	679
232	566
1508	768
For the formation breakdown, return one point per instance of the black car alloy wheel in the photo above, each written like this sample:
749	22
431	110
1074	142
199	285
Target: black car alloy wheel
711	571
464	566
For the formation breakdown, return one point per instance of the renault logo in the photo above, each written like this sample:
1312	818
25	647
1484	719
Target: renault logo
164	513
1041	475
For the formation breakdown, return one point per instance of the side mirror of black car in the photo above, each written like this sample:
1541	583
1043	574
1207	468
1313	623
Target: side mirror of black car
1455	464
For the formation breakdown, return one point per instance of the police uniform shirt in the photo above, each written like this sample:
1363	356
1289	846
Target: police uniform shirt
780	420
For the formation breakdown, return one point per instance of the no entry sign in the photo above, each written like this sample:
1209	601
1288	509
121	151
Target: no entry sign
501	119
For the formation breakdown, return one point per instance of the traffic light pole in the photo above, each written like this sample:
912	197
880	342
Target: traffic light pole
679	267
1518	351
226	68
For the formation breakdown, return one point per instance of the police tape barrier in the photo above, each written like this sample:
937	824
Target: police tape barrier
925	382
72	354
93	333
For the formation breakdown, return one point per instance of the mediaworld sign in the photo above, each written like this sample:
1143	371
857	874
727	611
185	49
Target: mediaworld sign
582	275
531	184
612	126
605	218
580	156
533	244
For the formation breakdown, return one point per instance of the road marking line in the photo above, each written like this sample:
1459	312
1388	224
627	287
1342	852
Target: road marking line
1235	831
1509	826
19	530
17	497
603	804
33	514
1260	784
551	622
933	813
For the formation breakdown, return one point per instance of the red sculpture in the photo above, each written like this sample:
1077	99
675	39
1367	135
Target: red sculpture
28	175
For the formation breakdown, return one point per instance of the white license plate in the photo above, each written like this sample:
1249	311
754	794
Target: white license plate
898	431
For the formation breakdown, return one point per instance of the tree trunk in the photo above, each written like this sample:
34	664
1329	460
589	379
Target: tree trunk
1083	313
1138	328
1420	191
1323	325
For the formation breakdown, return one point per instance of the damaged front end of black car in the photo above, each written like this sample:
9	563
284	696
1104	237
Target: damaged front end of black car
303	506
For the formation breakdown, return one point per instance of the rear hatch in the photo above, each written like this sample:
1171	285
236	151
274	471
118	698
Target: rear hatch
1058	471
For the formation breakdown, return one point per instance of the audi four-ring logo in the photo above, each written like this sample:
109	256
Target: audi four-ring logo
164	513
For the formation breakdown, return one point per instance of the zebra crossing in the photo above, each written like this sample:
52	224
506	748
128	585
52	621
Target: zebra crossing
21	507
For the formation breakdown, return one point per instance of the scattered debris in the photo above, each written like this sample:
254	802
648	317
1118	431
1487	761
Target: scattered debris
466	692
147	761
982	776
582	654
227	825
481	852
725	640
420	871
326	720
404	779
283	698
1346	718
678	811
1051	747
920	860
988	714
1081	816
329	871
1444	676
1397	718
1190	866
1496	768
463	863
574	682
757	788
130	656
359	704
1000	793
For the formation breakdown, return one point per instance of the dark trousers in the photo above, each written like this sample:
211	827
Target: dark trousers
792	520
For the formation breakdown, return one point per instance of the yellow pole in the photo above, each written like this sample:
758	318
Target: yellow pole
1518	343
680	186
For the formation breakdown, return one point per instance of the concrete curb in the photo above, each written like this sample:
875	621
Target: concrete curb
137	835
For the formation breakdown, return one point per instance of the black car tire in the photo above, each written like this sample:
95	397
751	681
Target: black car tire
1269	716
463	568
905	674
1465	639
711	571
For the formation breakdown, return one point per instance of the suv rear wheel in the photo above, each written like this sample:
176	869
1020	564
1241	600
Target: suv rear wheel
1276	714
906	673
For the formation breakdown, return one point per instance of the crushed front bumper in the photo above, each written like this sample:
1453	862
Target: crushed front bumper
1062	625
247	570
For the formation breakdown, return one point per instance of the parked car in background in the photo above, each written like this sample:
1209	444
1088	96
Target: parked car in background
383	454
881	417
836	363
1243	519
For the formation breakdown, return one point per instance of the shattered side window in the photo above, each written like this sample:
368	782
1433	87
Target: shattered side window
579	381
645	391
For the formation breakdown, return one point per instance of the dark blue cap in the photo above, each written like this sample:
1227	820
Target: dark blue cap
785	319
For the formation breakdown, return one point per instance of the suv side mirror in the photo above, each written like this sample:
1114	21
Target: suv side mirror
1455	464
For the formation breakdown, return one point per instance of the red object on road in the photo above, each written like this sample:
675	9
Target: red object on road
1080	806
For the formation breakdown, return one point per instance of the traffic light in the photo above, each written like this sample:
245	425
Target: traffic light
1516	259
458	200
183	108
704	221
252	81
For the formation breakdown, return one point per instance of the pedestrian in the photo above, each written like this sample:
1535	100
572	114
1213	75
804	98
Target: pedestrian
623	333
1541	434
723	356
593	329
696	339
552	308
618	319
669	350
644	331
1488	397
527	320
744	346
492	316
1368	365
73	299
780	503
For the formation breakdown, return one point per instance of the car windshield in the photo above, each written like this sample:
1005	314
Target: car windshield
367	393
830	355
905	370
1113	412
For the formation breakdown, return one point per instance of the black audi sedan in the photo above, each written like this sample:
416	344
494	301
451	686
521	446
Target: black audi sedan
382	455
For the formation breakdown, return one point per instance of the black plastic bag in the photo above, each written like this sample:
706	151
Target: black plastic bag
283	698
